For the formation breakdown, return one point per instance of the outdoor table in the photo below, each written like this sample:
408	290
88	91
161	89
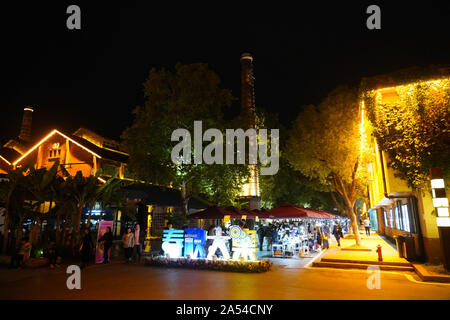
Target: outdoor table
277	250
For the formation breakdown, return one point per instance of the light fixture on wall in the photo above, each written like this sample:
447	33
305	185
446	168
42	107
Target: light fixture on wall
440	202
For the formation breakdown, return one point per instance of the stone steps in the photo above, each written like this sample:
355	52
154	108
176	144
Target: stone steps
352	265
378	263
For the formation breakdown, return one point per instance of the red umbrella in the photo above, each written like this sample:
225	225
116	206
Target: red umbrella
290	211
216	212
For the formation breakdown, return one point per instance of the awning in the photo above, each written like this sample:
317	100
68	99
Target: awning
290	211
385	202
216	212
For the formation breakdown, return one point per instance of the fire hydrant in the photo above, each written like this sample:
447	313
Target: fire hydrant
380	254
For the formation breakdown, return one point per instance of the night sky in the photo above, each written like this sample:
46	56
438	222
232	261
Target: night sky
93	77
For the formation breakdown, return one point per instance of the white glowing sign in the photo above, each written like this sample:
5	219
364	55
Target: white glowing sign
173	241
244	243
218	243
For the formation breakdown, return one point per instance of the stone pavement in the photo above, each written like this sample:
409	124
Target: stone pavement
389	252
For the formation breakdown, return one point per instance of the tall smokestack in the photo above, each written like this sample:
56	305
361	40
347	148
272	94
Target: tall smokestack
247	89
248	110
25	130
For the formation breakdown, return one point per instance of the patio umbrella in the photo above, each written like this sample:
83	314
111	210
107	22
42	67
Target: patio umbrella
290	211
216	212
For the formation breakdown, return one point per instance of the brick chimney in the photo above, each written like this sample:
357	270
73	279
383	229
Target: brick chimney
248	111
25	130
247	89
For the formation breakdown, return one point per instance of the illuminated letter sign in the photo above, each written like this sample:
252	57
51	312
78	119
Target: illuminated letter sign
173	243
194	240
244	243
218	243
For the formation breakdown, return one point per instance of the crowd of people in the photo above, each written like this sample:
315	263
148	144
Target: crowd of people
318	234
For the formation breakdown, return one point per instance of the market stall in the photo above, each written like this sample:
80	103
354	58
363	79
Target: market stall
294	228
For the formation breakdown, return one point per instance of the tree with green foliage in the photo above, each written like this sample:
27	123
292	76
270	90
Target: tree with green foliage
324	145
414	130
289	185
175	100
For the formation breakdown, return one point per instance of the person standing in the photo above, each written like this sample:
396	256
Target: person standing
325	235
337	232
107	240
137	240
86	248
209	241
51	252
261	237
367	226
128	244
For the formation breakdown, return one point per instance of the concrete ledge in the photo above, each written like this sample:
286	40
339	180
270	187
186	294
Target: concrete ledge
425	275
368	262
360	266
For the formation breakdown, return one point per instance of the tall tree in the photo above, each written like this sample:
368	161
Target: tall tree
324	144
175	100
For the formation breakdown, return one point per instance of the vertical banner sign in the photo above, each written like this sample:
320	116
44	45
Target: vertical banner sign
102	228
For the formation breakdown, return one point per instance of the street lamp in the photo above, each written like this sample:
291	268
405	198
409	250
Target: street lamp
440	202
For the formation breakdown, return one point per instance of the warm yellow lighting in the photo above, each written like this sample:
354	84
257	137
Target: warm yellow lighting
5	160
28	109
109	149
440	202
430	82
443	212
250	189
47	137
362	132
437	183
102	180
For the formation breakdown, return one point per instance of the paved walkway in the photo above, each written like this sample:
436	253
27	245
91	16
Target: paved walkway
131	281
389	252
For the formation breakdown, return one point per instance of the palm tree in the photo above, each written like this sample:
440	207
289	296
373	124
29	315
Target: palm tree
40	186
11	194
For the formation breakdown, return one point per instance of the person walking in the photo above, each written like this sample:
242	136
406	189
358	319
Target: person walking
261	237
128	244
325	235
337	232
86	248
367	226
137	241
107	240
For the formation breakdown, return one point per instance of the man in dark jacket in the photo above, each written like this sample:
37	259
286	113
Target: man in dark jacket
107	240
337	232
86	248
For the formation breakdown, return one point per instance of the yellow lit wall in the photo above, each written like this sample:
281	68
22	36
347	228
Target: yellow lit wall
394	185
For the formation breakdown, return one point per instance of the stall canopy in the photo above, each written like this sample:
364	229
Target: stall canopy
216	212
285	211
290	211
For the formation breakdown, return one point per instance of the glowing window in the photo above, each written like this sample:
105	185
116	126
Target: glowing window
405	216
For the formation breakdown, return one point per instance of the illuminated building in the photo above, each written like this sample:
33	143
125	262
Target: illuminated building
87	151
83	151
394	207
